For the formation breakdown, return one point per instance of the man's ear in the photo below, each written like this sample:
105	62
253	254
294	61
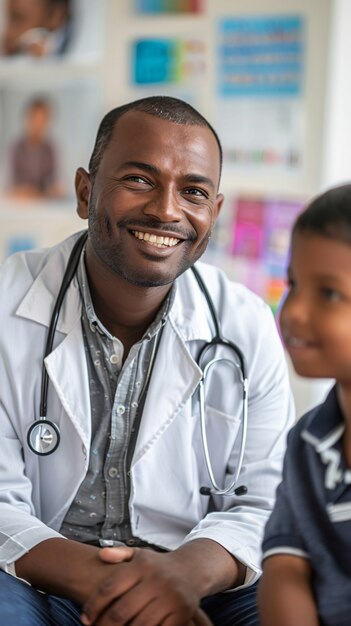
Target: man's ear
218	204
83	189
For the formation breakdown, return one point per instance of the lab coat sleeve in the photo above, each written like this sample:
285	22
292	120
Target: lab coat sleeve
20	529
237	523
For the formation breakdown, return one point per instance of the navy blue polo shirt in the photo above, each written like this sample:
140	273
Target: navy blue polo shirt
312	515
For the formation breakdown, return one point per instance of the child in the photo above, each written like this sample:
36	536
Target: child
307	545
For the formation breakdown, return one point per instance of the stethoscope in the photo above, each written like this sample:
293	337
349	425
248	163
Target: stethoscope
43	435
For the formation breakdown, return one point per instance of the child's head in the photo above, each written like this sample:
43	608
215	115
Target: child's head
315	318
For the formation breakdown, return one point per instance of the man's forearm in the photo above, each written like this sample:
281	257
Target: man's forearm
211	567
63	567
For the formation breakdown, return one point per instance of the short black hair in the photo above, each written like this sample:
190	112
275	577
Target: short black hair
329	215
164	107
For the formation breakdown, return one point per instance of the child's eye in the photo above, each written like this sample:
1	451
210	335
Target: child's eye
290	283
330	294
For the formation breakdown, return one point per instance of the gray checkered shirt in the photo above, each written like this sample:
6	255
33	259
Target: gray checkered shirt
99	513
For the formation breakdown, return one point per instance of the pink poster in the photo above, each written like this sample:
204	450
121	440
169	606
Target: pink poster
248	228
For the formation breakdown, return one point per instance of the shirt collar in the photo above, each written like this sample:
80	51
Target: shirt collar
326	424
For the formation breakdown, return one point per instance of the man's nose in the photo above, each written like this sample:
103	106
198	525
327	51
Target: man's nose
164	206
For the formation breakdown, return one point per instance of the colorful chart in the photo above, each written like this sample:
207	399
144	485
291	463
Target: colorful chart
167	61
261	56
169	6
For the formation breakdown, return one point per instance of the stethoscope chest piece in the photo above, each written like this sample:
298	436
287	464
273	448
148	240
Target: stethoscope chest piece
43	437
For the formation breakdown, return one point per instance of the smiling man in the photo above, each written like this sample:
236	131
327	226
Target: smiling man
105	506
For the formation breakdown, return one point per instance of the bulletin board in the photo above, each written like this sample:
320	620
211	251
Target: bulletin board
254	68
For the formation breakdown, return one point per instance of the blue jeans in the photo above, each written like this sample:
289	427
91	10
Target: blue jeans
22	605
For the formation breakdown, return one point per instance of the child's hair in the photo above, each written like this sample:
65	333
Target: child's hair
328	215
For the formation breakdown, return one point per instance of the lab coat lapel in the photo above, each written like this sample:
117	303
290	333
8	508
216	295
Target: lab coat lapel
39	301
176	373
176	370
67	370
66	364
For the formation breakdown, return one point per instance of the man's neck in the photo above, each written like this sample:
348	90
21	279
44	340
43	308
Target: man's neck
126	310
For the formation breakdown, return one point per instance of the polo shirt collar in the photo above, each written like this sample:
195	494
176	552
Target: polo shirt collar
324	431
326	424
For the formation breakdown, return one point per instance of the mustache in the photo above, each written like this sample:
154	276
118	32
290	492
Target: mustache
151	224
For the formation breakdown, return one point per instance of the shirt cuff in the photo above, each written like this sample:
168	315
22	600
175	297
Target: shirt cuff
10	568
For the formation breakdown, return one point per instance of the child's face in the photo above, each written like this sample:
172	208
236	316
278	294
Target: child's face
315	318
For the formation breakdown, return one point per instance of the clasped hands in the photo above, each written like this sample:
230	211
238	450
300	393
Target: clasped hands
143	588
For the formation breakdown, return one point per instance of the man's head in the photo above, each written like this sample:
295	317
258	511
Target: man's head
163	107
152	191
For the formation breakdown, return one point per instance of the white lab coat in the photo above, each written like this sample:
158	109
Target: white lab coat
168	466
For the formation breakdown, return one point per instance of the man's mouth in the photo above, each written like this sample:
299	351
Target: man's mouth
156	240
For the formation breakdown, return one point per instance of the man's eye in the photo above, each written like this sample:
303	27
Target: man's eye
194	191
137	179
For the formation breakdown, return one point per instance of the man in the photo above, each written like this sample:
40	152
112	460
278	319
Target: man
130	466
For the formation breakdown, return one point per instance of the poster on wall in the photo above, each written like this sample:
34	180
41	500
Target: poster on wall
167	60
41	143
152	7
251	243
41	32
259	106
261	230
173	66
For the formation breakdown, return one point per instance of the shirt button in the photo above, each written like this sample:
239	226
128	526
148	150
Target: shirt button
113	472
121	409
131	542
114	358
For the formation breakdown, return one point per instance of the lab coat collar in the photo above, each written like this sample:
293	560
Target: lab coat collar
37	305
326	424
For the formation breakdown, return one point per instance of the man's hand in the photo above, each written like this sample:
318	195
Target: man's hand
150	589
138	587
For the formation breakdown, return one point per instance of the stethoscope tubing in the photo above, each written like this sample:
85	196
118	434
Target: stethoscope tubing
216	489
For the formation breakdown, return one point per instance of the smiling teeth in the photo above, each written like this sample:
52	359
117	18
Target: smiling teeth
156	240
296	343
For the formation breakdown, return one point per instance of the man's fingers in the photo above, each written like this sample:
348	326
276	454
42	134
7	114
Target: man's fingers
117	554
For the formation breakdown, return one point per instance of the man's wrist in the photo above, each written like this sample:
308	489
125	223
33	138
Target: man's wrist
208	566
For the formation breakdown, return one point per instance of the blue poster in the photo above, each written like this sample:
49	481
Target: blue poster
261	56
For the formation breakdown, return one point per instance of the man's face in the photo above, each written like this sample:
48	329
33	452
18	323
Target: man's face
154	200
